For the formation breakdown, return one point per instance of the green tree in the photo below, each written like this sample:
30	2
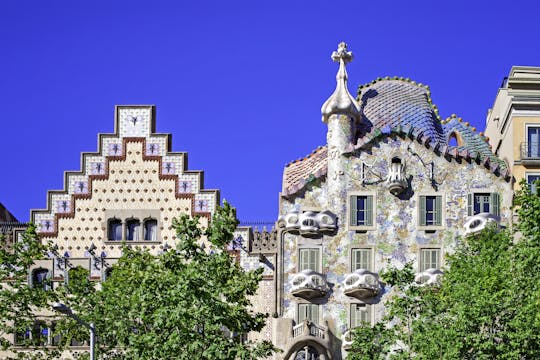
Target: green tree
487	307
189	302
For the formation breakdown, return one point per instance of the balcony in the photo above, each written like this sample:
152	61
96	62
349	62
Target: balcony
309	284
396	181
530	153
479	222
308	223
362	284
308	328
346	340
429	277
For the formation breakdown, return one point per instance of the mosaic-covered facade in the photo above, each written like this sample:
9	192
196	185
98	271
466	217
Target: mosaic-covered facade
394	183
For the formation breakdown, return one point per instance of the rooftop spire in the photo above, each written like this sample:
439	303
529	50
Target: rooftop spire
341	101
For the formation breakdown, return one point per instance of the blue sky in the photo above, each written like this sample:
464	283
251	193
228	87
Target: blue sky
238	84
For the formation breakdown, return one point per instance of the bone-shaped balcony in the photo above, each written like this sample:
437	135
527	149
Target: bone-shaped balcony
396	181
362	284
429	277
479	222
309	284
310	223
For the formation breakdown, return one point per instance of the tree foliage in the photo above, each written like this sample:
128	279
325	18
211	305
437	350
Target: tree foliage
189	302
487	307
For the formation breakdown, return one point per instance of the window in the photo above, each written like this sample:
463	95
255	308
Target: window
115	229
533	141
308	312
37	335
430	259
360	315
430	212
360	259
107	273
309	260
40	279
307	353
531	178
361	207
150	230
483	202
133	228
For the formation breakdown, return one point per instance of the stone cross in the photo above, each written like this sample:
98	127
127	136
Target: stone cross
342	54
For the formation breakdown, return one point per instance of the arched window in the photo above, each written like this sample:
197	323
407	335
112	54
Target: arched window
115	229
133	229
454	139
307	353
40	334
150	230
40	279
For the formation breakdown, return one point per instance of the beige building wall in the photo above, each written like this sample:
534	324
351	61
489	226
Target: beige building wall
516	108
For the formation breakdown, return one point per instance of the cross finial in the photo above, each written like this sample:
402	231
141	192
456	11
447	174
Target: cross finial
342	53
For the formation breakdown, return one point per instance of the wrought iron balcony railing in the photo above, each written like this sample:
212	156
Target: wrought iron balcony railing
530	151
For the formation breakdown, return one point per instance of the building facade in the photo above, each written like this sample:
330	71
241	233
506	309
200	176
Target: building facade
513	123
394	183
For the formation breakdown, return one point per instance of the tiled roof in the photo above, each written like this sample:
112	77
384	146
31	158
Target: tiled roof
299	173
393	102
397	106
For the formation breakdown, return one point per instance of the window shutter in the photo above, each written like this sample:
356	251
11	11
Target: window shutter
422	211
314	313
470	204
353	316
314	259
369	211
494	206
353	208
438	209
302	312
304	259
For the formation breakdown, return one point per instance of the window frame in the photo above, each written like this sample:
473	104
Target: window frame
531	186
353	310
351	208
318	258
494	202
310	306
439	212
368	250
421	266
526	137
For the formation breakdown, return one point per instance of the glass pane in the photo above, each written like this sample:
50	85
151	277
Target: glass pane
361	210
150	230
133	229
533	139
361	259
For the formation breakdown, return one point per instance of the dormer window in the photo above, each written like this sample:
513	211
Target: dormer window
133	229
150	230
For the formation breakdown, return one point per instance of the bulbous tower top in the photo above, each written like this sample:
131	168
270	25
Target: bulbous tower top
341	101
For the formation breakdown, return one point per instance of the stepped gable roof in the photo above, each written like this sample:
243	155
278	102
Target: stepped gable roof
299	173
390	102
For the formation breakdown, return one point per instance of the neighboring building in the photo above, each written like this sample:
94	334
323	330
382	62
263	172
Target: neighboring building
513	123
393	184
10	227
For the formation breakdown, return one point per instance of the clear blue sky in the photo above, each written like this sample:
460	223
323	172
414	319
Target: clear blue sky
238	84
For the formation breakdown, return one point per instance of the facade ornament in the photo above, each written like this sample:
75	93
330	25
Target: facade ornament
309	284
396	181
341	101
